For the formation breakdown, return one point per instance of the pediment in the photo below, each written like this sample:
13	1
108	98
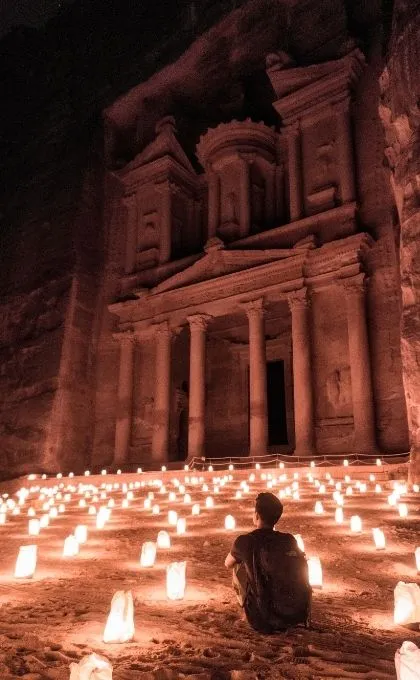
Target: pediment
164	145
218	261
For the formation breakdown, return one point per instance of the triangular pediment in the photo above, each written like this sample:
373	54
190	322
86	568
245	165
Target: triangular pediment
218	261
164	145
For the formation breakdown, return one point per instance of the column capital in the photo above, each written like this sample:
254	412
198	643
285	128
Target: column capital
125	337
254	308
298	299
162	329
291	129
355	285
199	322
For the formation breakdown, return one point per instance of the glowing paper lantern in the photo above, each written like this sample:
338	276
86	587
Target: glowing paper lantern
26	561
187	498
172	517
195	510
209	502
379	539
355	524
71	547
319	508
33	527
339	516
44	521
81	533
163	540
406	603
147	504
392	499
181	526
2	518
315	572
407	661
155	510
92	667
148	554
175	580
299	541
31	512
378	488
417	556
230	523
403	509
120	624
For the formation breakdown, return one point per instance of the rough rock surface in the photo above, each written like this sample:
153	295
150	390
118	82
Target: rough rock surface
400	113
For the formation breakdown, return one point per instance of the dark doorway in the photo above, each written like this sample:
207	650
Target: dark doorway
276	404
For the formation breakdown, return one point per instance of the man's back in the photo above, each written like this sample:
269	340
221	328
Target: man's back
279	591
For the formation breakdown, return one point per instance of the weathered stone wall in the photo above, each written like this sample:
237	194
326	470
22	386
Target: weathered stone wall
400	113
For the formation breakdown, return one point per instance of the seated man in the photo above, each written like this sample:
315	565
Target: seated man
270	573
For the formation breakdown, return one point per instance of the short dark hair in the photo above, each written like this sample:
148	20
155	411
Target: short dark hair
269	508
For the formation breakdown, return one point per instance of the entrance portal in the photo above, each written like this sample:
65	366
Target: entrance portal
276	404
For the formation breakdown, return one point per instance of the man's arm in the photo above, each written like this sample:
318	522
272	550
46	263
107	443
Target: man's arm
230	561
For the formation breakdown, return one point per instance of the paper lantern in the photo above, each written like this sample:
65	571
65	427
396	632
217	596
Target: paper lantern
417	557
147	503
379	539
319	508
407	661
175	580
163	540
124	503
120	624
339	516
378	488
181	525
148	554
31	512
406	603
33	527
92	667
392	499
81	533
299	541
355	524
71	547
92	510
378	462
402	509
172	517
155	510
230	523
26	561
209	502
53	512
195	510
2	518
187	498
345	462
315	572
44	521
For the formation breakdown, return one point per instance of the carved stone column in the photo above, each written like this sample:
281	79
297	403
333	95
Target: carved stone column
165	223
345	152
125	397
360	370
257	378
196	418
295	171
270	195
302	373
130	203
214	202
244	197
160	440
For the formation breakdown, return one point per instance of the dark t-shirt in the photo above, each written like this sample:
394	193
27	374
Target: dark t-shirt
277	573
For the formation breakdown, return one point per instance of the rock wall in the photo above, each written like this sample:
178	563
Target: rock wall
400	113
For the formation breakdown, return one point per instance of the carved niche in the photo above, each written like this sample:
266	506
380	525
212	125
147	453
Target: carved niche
244	175
162	201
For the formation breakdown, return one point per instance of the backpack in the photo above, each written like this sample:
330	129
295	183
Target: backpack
282	590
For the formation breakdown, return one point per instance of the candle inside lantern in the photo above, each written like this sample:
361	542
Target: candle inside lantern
406	603
71	547
379	539
181	525
33	527
155	510
148	554
319	508
120	623
355	524
209	502
402	509
175	580
172	517
163	540
26	561
315	572
339	515
80	533
195	510
230	523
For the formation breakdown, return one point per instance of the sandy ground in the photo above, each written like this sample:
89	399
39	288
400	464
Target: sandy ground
59	615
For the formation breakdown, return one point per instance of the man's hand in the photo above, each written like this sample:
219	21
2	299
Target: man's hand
230	561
